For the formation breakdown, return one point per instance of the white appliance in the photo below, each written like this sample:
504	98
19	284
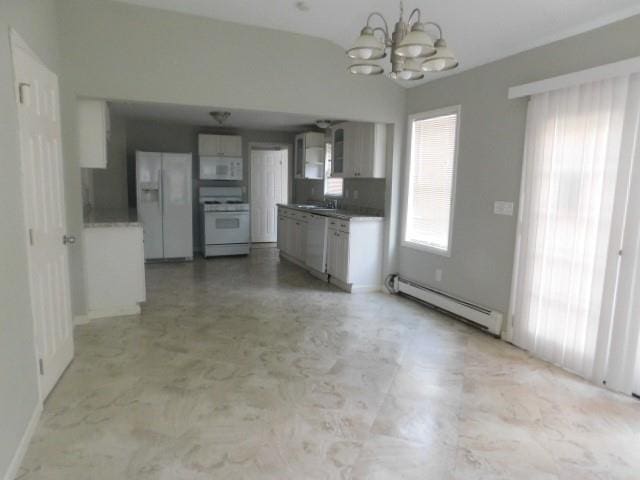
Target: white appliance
225	221
220	168
163	191
316	257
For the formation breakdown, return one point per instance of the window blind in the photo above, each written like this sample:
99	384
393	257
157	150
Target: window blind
332	186
433	149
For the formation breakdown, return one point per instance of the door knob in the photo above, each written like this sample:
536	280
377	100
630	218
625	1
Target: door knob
68	239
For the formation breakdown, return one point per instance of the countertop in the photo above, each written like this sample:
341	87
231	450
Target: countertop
126	217
342	214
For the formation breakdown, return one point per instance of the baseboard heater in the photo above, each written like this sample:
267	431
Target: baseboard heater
481	317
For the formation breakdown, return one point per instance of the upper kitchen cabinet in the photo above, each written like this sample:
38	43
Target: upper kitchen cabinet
359	150
220	145
309	155
93	133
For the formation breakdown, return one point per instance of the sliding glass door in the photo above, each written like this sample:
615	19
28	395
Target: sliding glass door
571	266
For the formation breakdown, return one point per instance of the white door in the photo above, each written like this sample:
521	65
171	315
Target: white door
149	197
177	212
44	211
268	188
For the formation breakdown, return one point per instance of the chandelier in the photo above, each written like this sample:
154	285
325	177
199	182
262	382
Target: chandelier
413	51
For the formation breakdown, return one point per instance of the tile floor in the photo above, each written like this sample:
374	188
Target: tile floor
249	368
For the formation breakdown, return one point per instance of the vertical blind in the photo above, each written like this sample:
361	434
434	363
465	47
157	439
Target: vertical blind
332	185
572	154
432	167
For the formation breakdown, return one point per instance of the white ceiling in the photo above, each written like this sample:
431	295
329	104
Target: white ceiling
480	31
199	116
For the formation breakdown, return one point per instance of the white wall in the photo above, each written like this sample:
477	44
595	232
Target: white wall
122	52
35	22
490	157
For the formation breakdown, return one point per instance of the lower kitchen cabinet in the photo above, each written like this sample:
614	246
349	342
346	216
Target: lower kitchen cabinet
292	234
354	254
338	255
352	248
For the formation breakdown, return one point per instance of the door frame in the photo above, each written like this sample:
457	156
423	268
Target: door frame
273	146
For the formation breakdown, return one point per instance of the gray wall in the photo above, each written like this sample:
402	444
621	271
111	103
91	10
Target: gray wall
35	22
122	52
155	136
490	156
110	184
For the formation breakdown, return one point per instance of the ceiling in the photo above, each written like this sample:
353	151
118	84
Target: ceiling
199	116
480	31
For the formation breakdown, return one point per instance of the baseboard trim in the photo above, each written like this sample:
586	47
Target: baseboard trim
114	312
366	288
18	456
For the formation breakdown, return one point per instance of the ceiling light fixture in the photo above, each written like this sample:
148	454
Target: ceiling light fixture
413	51
220	117
322	124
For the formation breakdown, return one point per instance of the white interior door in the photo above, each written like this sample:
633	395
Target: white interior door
268	188
177	200
44	211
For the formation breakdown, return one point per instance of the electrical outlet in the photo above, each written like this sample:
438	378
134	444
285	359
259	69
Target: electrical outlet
355	194
313	191
438	274
503	208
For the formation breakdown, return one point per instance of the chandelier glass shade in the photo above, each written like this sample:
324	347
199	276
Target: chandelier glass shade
412	49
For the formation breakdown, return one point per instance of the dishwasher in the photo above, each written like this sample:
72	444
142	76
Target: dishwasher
316	257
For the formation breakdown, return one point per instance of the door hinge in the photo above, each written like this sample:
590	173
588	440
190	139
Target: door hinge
31	236
41	365
620	252
21	86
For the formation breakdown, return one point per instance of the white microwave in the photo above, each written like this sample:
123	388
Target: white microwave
220	168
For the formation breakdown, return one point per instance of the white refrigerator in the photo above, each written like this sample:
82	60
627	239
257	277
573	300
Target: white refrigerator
163	190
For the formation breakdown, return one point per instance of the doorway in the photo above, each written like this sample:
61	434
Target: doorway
269	186
44	213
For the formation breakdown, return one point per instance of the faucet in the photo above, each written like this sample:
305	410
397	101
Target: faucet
333	203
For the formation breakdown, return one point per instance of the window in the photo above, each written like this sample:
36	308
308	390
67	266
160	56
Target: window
431	180
332	186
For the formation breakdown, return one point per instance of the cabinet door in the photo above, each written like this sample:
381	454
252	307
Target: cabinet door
299	156
342	257
331	251
351	150
366	144
338	152
209	145
282	225
302	241
231	145
93	121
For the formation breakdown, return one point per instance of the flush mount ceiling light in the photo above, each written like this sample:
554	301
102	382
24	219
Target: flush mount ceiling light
322	124
220	117
412	50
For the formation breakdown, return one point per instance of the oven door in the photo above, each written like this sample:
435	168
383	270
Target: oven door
224	228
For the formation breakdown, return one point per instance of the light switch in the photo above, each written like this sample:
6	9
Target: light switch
503	208
438	275
355	194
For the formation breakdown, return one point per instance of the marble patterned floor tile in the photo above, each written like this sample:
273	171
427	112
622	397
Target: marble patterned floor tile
251	369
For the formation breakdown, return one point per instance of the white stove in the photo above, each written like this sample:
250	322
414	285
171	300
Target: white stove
225	222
